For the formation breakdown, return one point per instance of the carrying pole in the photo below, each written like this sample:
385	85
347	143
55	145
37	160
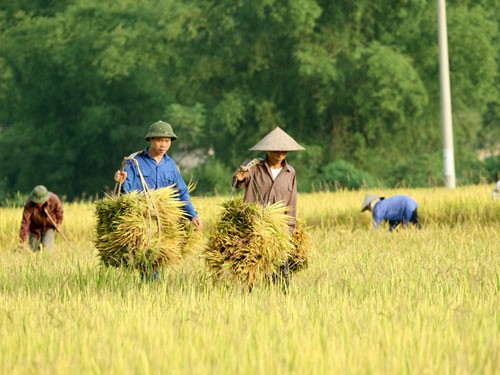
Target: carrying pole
57	229
118	186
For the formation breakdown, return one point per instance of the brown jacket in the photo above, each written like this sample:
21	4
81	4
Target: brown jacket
260	187
35	220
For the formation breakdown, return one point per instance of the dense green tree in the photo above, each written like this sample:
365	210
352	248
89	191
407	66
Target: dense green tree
80	81
84	86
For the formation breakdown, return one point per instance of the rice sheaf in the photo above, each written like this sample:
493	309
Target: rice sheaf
251	241
143	230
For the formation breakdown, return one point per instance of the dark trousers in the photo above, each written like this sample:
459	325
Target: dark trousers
282	277
413	220
46	241
150	275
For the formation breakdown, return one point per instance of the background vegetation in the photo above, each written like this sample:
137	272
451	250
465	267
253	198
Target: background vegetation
355	82
371	302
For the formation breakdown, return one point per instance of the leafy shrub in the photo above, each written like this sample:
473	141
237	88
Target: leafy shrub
341	174
13	200
491	168
307	164
211	178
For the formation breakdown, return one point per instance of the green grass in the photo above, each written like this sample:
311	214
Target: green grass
371	302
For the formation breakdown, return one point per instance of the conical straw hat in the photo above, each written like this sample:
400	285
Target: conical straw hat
277	140
369	198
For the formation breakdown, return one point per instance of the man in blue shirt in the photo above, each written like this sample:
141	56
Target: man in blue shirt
399	209
158	169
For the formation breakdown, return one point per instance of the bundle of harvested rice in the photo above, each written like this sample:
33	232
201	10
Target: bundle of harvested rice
250	241
143	230
299	259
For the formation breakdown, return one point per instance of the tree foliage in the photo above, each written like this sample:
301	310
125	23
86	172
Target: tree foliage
81	80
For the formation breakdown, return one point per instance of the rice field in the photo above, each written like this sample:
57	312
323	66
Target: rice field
371	302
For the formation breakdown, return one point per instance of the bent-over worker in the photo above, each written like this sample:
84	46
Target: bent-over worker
396	210
36	224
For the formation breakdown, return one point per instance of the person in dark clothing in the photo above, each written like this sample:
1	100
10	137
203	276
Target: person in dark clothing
396	210
36	223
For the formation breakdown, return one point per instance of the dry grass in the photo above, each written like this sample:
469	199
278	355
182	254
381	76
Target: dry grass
299	259
370	302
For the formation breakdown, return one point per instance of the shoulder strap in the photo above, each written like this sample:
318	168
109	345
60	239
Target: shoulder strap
137	153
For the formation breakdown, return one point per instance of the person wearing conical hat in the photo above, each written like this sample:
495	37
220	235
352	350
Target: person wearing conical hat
159	169
36	225
271	179
396	210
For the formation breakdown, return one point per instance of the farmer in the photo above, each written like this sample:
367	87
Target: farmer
399	209
158	169
42	215
272	179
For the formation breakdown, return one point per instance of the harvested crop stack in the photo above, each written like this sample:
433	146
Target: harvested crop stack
143	231
250	241
300	257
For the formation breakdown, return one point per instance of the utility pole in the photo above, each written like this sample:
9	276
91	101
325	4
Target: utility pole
444	74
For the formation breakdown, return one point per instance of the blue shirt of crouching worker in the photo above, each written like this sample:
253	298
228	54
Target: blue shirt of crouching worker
396	210
157	175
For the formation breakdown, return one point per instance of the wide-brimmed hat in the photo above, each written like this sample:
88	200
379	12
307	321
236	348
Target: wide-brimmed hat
369	198
40	194
277	140
160	129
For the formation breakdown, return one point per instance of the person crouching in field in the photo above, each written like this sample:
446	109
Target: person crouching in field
272	179
42	215
399	209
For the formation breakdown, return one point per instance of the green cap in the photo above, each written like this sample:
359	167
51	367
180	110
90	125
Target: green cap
40	194
161	129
